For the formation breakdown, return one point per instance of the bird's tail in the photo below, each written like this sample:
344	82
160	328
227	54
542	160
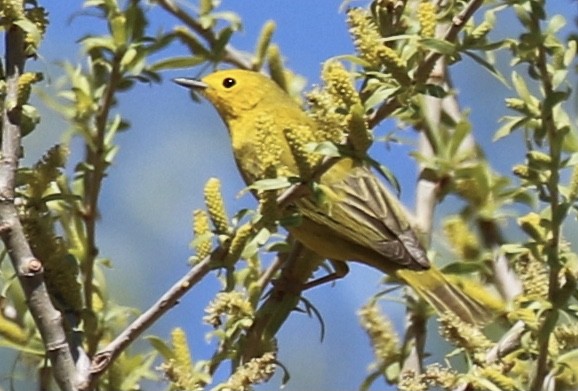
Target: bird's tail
467	299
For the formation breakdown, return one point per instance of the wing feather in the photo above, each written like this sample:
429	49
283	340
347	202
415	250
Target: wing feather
366	214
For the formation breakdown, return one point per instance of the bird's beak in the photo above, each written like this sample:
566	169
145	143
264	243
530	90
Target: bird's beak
190	83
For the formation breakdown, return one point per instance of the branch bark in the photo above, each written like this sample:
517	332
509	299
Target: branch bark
103	359
28	269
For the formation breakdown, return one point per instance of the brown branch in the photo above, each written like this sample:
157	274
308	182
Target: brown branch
28	269
104	358
425	68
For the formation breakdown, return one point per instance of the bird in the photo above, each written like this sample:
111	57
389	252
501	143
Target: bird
364	222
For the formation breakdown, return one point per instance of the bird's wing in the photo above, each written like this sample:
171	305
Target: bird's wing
363	211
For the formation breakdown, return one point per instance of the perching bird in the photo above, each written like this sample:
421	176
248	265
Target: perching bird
363	222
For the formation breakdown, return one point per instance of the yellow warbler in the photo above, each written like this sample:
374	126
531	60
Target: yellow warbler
362	222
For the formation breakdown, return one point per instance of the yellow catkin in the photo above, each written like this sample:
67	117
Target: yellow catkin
539	157
216	205
12	331
367	41
394	64
232	304
39	17
365	36
338	83
437	376
180	369
462	334
462	240
238	242
531	224
567	336
524	172
516	104
381	333
12	9
268	151
298	138
181	349
276	67
331	122
359	137
573	187
409	380
257	370
25	82
263	44
426	15
533	275
481	30
201	230
495	374
268	207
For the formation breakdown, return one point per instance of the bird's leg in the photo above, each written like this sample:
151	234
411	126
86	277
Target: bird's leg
340	270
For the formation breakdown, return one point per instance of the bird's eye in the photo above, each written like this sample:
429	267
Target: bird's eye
229	82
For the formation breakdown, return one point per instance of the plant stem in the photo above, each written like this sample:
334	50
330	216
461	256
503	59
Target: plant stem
96	160
553	249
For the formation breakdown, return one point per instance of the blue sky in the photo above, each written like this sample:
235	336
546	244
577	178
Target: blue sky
175	145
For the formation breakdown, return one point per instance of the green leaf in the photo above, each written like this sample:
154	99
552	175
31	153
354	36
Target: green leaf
511	124
30	29
380	95
555	23
118	30
555	98
222	40
160	346
386	173
272	184
325	148
91	43
463	267
521	87
438	45
128	57
352	59
570	53
488	66
177	63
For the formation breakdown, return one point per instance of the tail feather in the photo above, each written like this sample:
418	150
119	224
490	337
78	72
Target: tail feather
470	301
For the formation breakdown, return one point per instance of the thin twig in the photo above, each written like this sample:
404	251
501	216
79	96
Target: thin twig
104	358
548	124
95	158
232	56
270	272
28	269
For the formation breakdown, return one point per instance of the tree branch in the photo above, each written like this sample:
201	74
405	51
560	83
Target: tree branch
103	359
28	269
95	156
232	55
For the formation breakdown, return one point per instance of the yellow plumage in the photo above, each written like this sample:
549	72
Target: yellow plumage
362	221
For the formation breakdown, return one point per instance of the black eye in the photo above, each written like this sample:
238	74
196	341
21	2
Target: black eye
229	82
